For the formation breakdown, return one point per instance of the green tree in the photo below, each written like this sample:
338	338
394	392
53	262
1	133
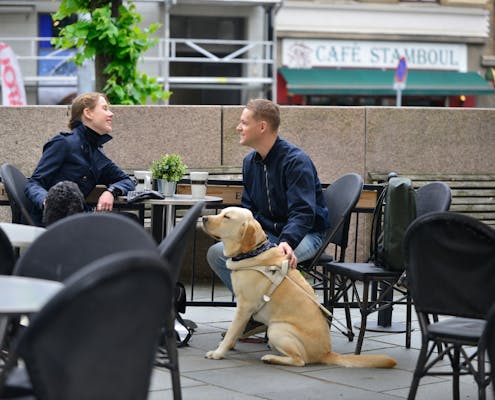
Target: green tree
108	31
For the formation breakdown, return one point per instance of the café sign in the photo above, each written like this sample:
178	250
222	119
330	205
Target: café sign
310	53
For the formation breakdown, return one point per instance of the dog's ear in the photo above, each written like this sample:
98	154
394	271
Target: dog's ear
249	238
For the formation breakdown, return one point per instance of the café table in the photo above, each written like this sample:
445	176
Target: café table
20	295
21	235
163	211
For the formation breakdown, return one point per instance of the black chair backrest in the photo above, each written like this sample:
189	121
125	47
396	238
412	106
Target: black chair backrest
450	261
75	241
173	246
490	342
97	338
14	182
340	198
7	255
434	196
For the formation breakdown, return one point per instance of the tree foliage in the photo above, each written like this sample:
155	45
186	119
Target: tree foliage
109	33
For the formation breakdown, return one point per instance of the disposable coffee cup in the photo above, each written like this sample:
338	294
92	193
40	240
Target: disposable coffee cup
199	179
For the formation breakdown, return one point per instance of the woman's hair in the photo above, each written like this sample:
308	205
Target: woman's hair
265	110
85	100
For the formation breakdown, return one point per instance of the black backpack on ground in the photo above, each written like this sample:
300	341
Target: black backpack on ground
395	210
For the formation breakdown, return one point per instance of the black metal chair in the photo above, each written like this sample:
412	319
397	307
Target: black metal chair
340	198
7	254
345	276
75	241
450	264
433	197
14	182
490	343
97	337
7	261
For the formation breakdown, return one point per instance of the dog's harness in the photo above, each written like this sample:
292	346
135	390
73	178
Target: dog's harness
276	274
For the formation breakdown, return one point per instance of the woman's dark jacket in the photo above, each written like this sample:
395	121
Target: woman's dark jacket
75	156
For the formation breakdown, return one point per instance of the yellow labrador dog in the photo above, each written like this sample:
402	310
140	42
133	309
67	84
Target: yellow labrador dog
297	327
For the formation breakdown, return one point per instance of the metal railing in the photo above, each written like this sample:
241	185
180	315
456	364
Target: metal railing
255	56
215	283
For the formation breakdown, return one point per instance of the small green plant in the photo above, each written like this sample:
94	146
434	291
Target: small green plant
169	167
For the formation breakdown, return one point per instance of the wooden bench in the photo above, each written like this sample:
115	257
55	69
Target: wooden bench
472	194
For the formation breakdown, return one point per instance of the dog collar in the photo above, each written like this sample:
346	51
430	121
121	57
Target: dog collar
253	253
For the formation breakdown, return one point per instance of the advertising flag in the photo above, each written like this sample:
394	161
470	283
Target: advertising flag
13	93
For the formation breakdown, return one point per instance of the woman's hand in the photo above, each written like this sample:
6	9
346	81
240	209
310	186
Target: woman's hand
289	253
105	202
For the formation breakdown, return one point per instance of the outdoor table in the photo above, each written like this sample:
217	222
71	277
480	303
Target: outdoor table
21	235
20	295
163	211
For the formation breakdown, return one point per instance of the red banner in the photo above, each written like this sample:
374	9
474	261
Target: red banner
13	93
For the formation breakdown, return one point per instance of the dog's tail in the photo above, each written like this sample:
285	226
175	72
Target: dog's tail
360	360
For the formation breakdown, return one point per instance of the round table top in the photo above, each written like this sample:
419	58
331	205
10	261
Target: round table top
21	295
21	235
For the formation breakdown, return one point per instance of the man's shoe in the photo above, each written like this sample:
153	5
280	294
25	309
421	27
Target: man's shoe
252	328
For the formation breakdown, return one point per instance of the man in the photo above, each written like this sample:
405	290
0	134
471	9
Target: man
281	188
77	156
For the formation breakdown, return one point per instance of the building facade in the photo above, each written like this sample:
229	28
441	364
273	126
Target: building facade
348	52
328	52
208	51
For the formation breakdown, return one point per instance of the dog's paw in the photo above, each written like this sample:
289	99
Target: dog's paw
214	355
267	358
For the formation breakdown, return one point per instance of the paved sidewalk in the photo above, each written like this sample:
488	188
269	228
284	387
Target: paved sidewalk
243	376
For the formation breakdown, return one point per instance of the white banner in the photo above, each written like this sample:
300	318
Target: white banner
13	93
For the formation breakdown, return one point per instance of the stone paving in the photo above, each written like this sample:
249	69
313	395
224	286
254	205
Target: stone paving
242	376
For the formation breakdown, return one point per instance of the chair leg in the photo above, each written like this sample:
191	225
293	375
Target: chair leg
418	371
331	295
326	288
363	308
348	319
408	319
456	371
173	360
439	344
337	289
480	378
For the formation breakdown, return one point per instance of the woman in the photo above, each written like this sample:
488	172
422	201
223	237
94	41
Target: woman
78	156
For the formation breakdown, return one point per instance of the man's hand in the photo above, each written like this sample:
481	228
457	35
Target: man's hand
105	202
289	253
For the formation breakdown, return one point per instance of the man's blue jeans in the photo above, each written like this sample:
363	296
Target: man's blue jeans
306	250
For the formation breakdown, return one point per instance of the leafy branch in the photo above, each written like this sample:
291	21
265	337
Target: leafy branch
110	34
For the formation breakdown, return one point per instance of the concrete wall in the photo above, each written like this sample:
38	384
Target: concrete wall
339	139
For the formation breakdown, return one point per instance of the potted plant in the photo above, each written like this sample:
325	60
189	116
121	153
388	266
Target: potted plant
167	171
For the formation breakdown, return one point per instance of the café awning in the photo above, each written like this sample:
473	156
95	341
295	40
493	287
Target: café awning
380	82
